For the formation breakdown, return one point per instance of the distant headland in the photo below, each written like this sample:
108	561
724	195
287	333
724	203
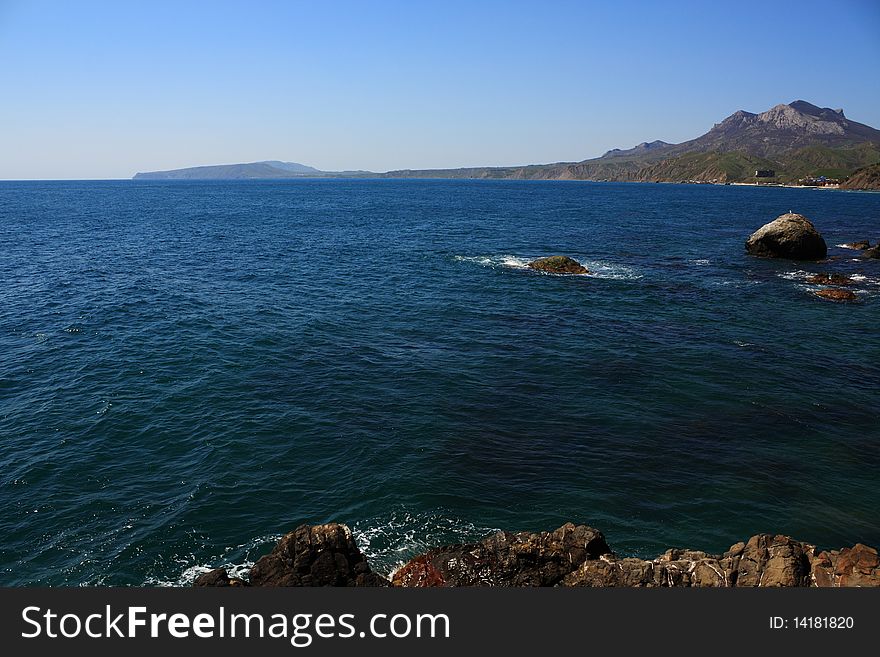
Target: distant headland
790	144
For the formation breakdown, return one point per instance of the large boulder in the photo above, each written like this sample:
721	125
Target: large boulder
788	236
769	561
558	264
506	559
315	555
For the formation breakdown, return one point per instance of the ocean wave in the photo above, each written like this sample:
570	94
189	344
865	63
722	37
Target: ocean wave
235	568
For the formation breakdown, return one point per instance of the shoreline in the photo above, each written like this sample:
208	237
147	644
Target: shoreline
570	556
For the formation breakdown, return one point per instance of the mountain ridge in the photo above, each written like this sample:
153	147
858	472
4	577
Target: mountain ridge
794	141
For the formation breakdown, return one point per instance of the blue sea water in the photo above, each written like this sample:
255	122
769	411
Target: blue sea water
190	369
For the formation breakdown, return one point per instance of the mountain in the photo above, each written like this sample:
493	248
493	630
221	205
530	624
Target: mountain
794	141
267	169
864	178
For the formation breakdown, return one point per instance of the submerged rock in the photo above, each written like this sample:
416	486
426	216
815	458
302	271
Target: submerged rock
319	555
506	559
788	236
861	245
830	279
834	294
872	252
559	264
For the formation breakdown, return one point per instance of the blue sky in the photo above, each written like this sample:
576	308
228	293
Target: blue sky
105	89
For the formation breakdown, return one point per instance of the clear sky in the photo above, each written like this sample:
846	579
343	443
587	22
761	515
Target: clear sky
106	89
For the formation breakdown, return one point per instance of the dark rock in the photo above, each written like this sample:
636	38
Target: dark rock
506	559
861	245
218	577
788	236
830	279
833	294
559	265
319	555
872	252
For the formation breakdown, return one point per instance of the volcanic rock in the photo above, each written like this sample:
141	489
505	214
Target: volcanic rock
506	559
558	264
319	555
790	236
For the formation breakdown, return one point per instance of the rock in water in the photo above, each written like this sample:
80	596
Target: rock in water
872	252
218	577
319	555
506	559
788	236
836	295
559	265
830	279
861	245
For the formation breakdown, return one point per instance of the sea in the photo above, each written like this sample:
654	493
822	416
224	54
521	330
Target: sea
191	369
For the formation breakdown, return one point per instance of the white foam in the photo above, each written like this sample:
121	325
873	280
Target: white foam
700	263
235	569
610	270
390	540
796	275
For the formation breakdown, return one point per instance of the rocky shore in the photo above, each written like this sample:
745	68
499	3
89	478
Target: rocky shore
573	555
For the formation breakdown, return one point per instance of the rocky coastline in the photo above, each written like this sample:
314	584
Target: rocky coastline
570	556
578	555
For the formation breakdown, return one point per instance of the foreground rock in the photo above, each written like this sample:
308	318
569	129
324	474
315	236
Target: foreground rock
218	577
855	566
830	279
833	294
506	559
320	555
766	561
559	265
573	555
790	236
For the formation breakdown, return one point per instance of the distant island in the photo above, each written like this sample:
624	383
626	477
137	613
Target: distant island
797	143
